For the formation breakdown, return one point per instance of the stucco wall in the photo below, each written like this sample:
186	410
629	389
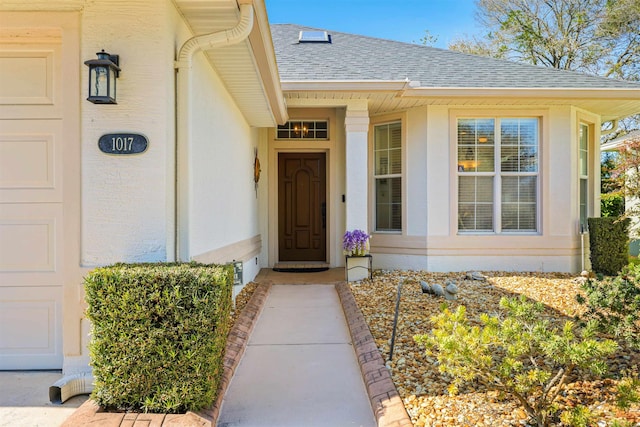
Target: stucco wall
126	199
224	202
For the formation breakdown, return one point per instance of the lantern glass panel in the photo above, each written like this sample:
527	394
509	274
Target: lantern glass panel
99	81
112	83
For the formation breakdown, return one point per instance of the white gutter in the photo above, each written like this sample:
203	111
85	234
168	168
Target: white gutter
346	85
410	89
559	93
196	44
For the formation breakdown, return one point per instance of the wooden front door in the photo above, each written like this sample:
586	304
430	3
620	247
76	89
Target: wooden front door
302	206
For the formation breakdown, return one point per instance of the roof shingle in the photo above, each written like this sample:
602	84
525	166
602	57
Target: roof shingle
354	57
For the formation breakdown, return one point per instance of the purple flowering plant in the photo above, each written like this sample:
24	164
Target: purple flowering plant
355	242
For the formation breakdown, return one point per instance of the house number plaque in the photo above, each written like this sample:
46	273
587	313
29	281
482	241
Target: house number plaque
123	143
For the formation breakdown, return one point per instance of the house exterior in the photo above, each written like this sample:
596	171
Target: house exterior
265	148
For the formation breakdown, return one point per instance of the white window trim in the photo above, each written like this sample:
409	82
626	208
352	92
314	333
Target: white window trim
497	174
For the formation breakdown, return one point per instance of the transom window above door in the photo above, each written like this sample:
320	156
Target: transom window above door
307	129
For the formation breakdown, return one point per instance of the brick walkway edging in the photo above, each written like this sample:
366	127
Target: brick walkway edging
88	413
386	403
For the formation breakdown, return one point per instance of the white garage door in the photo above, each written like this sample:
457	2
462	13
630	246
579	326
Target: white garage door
34	140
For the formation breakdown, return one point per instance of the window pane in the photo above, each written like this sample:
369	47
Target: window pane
466	159
527	217
519	151
509	216
584	165
528	189
485	159
395	157
475	203
484	217
396	190
381	137
388	204
466	132
584	137
519	203
529	159
466	217
382	162
484	189
485	131
584	186
308	130
467	189
528	131
509	159
395	135
509	131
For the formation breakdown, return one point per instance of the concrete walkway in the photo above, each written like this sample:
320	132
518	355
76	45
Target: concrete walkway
299	368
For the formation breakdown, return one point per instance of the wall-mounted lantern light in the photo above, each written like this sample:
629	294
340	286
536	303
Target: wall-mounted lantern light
103	73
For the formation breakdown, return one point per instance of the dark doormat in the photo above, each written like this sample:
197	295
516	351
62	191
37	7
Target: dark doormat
300	269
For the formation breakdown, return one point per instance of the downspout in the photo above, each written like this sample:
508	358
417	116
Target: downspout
183	131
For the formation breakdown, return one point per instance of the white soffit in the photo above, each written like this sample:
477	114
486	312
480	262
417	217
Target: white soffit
236	65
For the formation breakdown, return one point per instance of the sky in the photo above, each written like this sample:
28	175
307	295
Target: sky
401	20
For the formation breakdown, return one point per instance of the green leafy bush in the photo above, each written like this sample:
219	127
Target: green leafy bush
519	354
611	205
580	416
613	304
609	244
158	334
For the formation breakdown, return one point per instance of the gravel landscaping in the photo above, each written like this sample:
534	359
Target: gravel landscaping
424	389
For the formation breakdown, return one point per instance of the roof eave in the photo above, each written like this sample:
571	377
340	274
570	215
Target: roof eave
507	92
345	85
263	50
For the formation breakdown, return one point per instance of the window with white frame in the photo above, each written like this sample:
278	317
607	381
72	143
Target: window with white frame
498	174
583	155
387	153
303	129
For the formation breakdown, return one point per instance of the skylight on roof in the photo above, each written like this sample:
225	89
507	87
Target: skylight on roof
314	37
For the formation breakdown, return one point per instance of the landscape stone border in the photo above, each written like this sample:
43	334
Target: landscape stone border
386	403
90	413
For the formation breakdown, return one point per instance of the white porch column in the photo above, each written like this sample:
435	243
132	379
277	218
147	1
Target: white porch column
356	125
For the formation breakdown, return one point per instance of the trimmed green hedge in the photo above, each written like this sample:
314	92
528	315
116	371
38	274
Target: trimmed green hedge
609	244
611	204
158	334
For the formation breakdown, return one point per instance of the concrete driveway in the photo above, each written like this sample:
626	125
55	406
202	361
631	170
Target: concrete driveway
24	400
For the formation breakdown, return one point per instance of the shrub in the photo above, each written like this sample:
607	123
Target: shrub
609	240
158	334
519	355
611	205
613	304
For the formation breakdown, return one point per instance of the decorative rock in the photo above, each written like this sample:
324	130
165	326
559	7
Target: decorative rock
475	275
452	288
438	290
449	296
584	273
426	288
